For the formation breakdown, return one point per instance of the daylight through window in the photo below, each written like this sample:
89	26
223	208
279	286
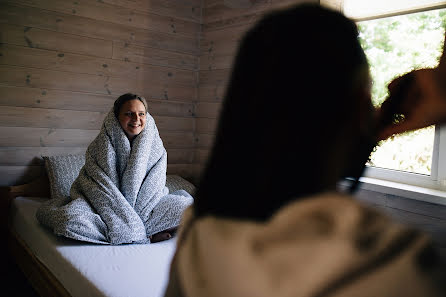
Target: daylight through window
394	46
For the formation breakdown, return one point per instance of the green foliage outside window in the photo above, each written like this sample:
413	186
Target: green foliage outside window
395	46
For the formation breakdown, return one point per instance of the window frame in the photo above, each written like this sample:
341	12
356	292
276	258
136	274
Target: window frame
339	6
437	179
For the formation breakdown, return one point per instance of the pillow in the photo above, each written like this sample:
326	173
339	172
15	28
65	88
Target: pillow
62	171
176	182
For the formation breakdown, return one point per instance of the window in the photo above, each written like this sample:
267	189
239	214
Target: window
398	36
396	45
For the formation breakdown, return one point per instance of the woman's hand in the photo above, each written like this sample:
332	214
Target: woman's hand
425	103
163	235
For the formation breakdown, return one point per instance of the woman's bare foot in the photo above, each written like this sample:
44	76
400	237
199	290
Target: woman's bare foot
163	235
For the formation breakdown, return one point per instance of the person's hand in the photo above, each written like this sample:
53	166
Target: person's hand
425	103
163	235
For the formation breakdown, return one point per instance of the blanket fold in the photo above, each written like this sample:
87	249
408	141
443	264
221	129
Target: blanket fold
120	194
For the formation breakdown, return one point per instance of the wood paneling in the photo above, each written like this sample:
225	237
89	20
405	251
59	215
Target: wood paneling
75	63
118	15
215	11
73	119
15	175
50	118
205	125
422	208
371	197
188	171
214	49
178	140
43	137
72	24
174	124
152	56
49	137
204	141
90	83
64	63
211	61
246	19
202	156
433	226
51	40
46	98
428	217
212	93
23	156
222	42
180	156
183	9
214	77
207	110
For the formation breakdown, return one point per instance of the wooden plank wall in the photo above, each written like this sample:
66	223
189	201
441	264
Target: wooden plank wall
223	27
424	216
63	63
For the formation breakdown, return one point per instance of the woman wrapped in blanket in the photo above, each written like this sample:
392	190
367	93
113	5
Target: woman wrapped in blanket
268	218
120	194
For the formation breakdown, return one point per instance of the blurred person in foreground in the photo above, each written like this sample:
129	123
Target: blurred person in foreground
268	219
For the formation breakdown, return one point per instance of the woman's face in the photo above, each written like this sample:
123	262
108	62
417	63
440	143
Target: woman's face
132	117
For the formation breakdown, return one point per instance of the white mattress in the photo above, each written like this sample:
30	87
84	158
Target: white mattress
95	270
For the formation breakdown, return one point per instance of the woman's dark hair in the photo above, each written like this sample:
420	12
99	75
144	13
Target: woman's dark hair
124	98
292	87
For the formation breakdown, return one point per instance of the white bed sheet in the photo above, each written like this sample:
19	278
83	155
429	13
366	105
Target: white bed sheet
95	270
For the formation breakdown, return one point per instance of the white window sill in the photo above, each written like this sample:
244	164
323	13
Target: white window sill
402	190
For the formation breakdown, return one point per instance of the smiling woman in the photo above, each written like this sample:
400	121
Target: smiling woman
130	110
120	195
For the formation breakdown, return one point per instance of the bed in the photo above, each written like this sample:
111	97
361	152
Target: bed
58	266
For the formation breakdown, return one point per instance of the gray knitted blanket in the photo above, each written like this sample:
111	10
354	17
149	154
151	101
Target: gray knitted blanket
120	194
